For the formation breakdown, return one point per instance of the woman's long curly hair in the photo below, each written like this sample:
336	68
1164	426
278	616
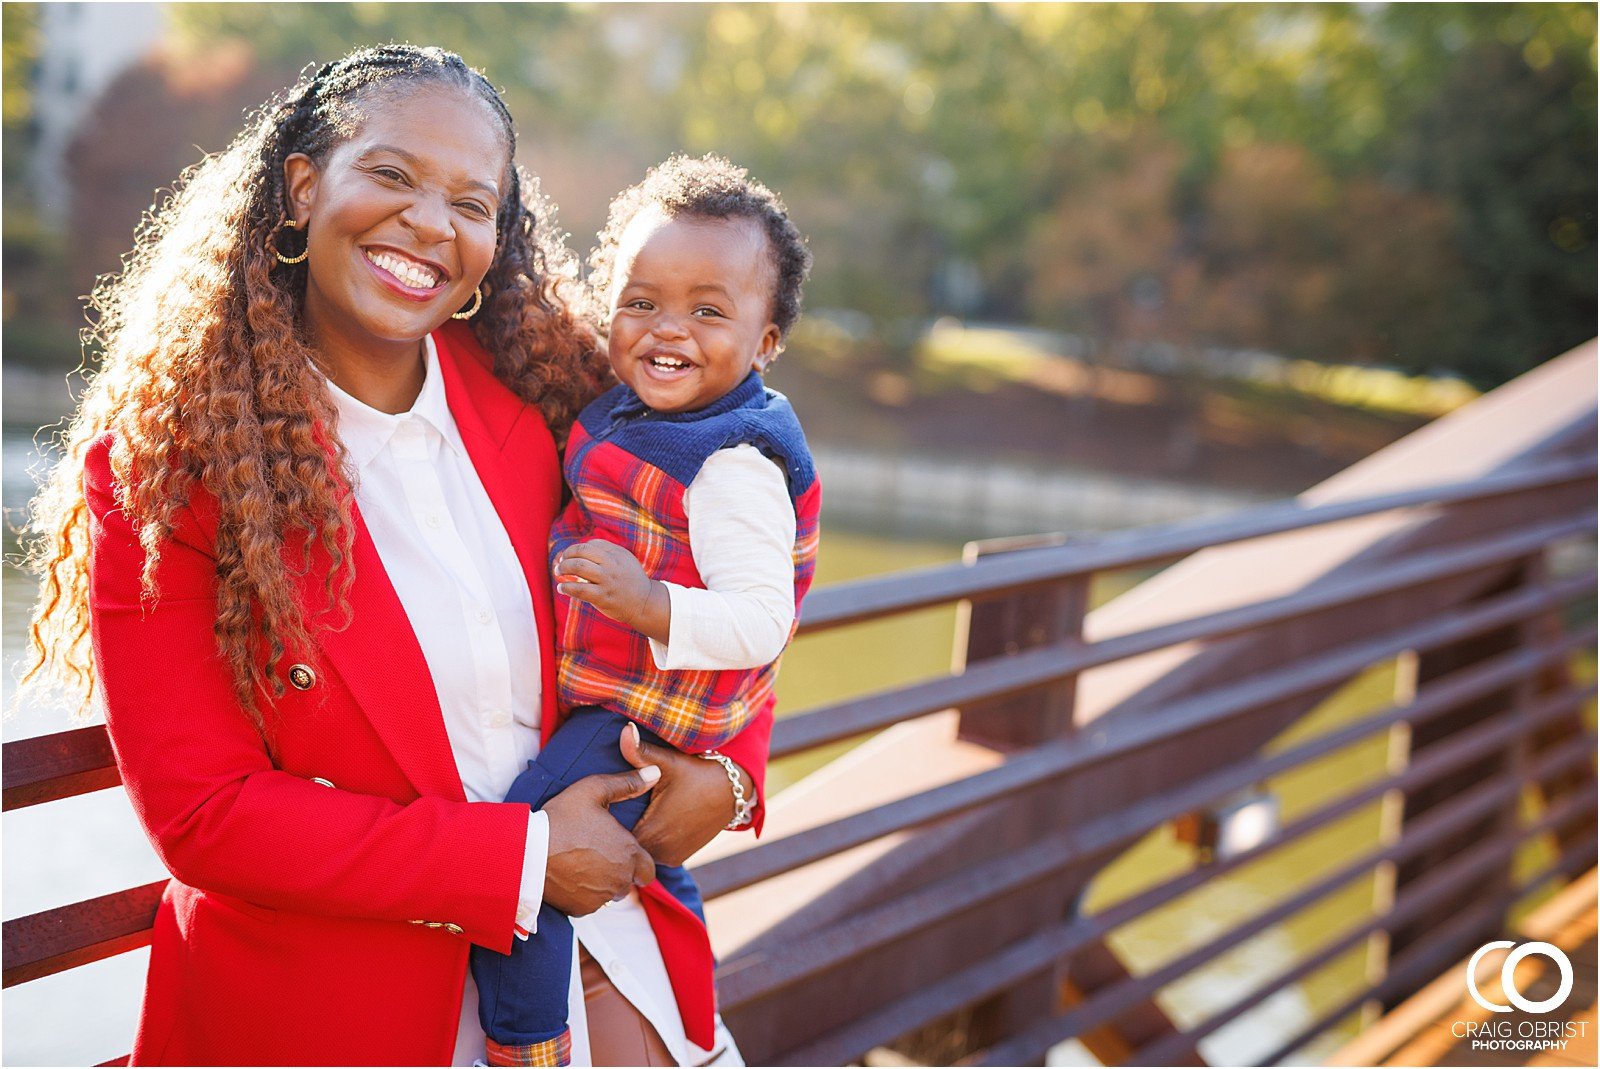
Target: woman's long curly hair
208	378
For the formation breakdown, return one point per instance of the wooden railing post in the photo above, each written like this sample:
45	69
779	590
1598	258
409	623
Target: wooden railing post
1497	766
1045	615
1542	632
1039	615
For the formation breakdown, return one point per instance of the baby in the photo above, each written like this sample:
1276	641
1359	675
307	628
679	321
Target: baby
691	536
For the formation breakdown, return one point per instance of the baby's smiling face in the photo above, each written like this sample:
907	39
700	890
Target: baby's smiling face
691	308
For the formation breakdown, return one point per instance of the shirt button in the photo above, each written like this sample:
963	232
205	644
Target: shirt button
483	616
497	719
432	519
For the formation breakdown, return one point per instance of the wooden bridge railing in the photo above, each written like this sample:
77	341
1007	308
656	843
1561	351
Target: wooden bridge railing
781	976
928	893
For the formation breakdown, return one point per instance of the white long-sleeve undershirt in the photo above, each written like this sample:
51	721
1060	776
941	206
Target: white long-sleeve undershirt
741	535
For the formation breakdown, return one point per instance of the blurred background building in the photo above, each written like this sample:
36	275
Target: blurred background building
81	49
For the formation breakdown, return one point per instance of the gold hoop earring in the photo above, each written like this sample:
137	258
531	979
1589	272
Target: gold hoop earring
477	303
272	243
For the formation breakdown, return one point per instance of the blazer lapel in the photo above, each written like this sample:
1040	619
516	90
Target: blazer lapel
377	654
515	458
379	660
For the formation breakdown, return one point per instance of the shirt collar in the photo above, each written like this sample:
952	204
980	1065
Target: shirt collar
365	431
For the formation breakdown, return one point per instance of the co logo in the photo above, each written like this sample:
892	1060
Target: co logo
1508	977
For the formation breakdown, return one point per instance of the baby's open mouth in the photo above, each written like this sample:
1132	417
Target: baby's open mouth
409	273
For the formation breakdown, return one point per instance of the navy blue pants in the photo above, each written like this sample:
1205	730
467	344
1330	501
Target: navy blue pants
522	996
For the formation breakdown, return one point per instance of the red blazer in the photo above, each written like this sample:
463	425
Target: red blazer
306	925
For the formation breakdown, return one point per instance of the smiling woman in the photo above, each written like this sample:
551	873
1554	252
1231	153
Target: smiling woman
400	224
298	482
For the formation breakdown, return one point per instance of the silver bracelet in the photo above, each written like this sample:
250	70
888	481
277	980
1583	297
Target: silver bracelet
742	810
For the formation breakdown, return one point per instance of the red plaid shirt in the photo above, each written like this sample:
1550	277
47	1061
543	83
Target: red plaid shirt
619	496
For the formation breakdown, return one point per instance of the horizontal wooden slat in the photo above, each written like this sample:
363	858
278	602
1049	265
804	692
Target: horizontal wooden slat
69	763
758	975
1005	676
1439	696
49	942
1161	1052
52	941
1416	968
1004	573
48	767
69	936
65	764
1125	735
1046	948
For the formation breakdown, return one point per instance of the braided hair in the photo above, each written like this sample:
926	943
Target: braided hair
208	378
532	276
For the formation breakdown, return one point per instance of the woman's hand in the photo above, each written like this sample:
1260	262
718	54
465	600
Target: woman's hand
693	801
593	860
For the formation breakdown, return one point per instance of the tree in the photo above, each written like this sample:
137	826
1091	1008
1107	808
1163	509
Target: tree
1104	257
1448	146
1511	146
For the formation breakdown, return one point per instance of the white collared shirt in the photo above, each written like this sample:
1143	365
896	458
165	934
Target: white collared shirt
457	576
465	595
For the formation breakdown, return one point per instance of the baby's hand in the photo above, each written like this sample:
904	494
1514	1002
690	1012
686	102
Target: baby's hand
610	578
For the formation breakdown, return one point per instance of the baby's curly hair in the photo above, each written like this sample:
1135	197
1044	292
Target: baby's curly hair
707	188
210	383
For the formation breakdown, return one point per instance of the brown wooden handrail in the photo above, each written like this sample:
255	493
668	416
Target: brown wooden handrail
1408	976
62	765
1076	753
743	978
1462	869
69	936
1002	676
50	767
62	938
868	599
994	974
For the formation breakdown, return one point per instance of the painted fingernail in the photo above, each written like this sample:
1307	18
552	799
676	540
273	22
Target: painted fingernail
650	773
